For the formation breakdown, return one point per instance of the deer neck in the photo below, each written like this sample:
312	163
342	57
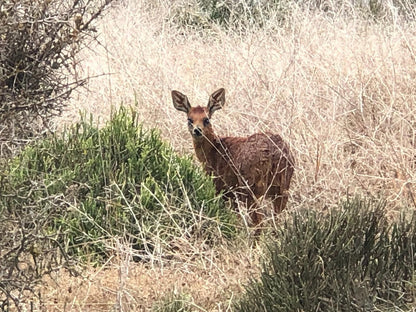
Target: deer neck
206	151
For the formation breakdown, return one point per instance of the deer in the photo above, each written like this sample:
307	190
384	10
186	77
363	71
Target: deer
251	168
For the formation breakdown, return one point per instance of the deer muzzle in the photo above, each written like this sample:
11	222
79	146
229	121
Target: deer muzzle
197	131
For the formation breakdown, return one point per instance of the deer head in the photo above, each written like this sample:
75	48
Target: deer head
199	117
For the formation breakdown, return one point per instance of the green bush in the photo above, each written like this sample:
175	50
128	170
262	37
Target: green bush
174	302
244	14
229	14
351	259
119	181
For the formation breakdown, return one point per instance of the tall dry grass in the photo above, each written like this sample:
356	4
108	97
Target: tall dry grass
338	88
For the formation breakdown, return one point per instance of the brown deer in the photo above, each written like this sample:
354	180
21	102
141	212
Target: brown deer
254	167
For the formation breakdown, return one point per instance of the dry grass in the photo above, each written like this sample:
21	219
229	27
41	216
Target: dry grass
210	280
339	90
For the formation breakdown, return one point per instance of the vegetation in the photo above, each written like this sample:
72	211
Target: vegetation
118	181
38	71
350	259
334	78
244	14
174	303
90	188
38	63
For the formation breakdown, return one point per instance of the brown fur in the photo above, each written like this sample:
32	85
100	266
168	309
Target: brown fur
254	167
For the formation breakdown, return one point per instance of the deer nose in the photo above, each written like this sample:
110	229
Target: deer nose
197	131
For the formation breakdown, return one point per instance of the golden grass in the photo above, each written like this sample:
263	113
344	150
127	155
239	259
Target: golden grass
211	281
339	89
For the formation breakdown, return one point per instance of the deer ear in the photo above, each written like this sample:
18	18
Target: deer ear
180	101
216	101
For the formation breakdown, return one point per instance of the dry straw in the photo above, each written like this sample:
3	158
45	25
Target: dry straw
338	88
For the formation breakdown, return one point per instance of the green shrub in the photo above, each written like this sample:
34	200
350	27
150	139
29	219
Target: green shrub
351	259
244	14
229	14
173	302
119	181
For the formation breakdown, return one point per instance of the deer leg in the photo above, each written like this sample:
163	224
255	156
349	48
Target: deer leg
256	216
280	202
252	205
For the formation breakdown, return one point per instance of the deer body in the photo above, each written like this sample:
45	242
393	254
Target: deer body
254	167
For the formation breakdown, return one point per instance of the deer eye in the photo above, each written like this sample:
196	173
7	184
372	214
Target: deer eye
206	122
190	121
